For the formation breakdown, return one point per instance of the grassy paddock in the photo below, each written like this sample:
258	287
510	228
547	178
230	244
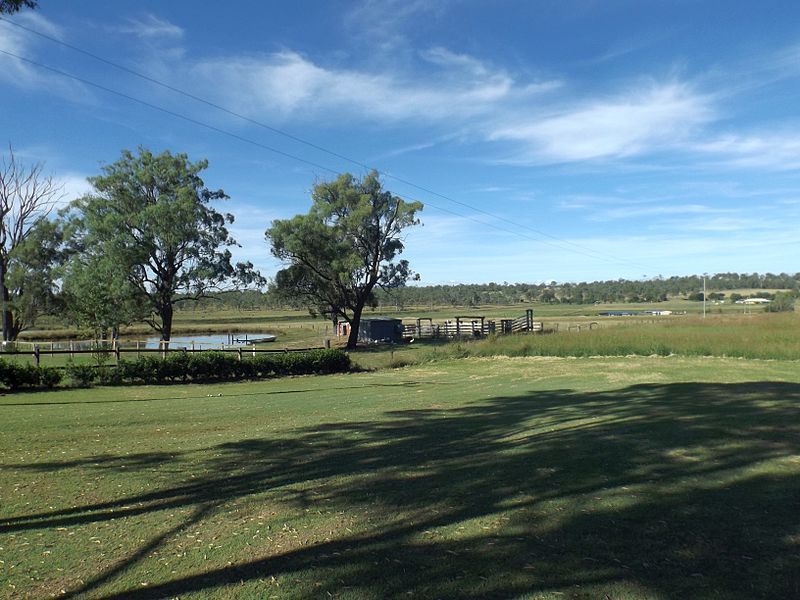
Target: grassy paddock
763	336
291	324
532	477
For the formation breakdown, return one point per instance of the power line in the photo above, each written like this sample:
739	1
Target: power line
245	139
591	253
281	152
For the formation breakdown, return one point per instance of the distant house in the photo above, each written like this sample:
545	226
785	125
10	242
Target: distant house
754	301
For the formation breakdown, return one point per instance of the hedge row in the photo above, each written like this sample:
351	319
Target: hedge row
178	367
182	367
14	376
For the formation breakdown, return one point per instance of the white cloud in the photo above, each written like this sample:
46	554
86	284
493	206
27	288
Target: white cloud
766	151
383	18
19	42
639	121
24	44
74	185
635	212
152	27
287	84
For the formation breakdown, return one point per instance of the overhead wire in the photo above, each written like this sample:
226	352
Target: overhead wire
242	138
583	250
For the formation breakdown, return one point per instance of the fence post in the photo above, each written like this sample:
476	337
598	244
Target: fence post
71	349
138	355
240	353
327	343
36	356
116	354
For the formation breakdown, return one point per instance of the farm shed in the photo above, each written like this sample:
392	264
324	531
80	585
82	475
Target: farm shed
380	329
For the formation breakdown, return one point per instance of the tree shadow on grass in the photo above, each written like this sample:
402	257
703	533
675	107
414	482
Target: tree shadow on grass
679	490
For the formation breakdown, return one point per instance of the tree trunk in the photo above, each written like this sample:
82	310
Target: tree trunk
355	322
6	309
166	324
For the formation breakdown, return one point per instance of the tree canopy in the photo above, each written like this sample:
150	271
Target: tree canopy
344	248
12	6
151	217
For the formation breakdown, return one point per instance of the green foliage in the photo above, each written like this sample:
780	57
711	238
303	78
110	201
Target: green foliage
20	375
151	218
211	366
81	375
97	294
782	302
11	6
32	273
343	248
658	289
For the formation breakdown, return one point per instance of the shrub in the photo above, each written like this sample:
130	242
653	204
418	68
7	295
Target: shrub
13	375
81	375
49	377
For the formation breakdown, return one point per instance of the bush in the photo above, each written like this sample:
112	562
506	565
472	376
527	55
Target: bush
14	376
181	367
49	377
81	375
783	302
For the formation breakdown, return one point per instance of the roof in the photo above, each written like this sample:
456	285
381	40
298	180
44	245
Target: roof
380	319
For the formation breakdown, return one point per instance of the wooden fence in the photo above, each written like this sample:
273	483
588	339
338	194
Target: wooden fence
471	326
116	351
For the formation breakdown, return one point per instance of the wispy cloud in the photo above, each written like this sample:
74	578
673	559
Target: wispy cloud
775	151
643	119
382	22
149	26
25	75
637	212
288	84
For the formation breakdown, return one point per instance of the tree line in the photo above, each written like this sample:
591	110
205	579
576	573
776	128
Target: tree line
719	287
658	289
148	238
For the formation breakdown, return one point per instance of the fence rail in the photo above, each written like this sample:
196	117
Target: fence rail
118	351
471	327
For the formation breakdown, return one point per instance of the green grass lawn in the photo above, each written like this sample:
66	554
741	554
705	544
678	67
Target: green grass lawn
486	477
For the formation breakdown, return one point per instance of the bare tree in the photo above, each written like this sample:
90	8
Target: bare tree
27	197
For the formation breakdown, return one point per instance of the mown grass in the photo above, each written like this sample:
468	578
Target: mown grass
763	336
488	477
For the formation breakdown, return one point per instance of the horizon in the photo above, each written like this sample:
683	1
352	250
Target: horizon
567	143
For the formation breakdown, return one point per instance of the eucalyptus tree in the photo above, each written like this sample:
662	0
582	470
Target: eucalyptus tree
344	247
152	217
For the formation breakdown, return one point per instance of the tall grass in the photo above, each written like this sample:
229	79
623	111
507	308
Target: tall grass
757	336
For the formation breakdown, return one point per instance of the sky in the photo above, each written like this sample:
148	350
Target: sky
548	139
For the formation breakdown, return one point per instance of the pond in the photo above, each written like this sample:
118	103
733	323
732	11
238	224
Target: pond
209	341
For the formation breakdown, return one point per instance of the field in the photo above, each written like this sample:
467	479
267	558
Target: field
737	327
297	325
531	477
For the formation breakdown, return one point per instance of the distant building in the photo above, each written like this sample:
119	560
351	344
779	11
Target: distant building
380	329
754	301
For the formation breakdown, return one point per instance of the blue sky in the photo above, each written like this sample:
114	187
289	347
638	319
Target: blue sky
563	141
